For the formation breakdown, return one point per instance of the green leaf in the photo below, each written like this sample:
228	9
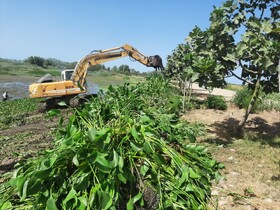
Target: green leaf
53	112
47	163
71	195
134	133
6	205
159	159
100	158
51	204
83	203
191	137
132	201
144	169
135	147
105	200
276	30
193	174
145	118
82	182
24	190
115	160
20	184
267	26
92	133
75	160
253	24
120	164
268	63
62	103
122	178
148	148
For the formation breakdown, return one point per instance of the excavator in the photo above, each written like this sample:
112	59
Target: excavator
73	82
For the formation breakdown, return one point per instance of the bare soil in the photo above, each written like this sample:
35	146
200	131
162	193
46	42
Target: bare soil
25	141
252	165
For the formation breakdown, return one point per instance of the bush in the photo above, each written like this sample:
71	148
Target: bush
193	103
270	102
216	102
242	99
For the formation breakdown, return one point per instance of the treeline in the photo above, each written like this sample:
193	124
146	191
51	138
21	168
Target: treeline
36	60
123	69
52	62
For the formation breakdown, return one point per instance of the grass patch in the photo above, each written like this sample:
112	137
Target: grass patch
105	80
234	87
13	112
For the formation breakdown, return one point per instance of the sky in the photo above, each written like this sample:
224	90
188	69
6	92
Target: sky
70	29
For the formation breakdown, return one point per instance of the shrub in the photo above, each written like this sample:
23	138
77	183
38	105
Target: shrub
242	99
193	103
270	102
216	102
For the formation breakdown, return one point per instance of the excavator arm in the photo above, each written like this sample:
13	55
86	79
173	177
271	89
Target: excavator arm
102	56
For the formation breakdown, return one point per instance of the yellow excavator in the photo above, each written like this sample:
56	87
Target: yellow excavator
73	82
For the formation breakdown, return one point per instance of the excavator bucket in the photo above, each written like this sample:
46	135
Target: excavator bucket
156	62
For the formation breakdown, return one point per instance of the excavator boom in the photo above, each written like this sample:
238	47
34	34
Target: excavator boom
102	56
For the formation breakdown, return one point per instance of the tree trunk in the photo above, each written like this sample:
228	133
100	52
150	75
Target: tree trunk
279	75
253	100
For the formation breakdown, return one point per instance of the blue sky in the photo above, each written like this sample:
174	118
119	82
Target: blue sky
70	29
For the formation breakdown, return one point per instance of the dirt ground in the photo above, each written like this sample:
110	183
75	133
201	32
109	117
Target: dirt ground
25	141
252	167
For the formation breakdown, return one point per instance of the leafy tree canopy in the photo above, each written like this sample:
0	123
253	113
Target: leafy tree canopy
218	51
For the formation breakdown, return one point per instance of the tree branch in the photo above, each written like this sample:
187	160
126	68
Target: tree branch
247	81
246	69
261	14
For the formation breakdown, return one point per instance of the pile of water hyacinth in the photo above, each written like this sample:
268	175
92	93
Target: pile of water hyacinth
127	149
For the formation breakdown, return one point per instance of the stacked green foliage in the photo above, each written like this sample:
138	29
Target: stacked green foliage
124	150
13	112
215	102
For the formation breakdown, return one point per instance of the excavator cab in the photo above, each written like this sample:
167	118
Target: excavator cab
156	62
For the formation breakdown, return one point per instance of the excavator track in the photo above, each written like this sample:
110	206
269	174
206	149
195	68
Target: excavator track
72	101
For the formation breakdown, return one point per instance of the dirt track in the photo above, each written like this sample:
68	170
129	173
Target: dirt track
228	94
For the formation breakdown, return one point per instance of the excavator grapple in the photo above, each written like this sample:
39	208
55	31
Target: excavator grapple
156	62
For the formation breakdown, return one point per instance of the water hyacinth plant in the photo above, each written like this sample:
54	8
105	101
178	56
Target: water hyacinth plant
127	149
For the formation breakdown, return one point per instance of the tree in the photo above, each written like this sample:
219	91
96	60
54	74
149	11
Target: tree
218	51
97	67
114	68
124	69
35	60
182	70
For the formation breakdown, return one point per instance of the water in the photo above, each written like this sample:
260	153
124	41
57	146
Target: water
15	90
18	90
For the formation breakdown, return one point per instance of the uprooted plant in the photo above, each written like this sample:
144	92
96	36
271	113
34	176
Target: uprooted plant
127	149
